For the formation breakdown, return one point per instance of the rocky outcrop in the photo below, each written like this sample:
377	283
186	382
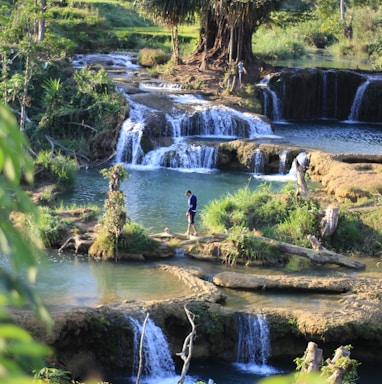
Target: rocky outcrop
308	93
100	340
347	177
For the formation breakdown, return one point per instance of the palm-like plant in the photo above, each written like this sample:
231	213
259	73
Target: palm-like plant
53	93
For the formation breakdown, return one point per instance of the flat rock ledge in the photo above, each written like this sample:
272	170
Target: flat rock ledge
279	282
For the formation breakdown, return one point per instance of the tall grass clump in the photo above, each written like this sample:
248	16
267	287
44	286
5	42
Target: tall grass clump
56	168
246	208
242	245
134	239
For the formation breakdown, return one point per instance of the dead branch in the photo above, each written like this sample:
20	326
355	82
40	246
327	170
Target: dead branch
83	125
78	241
186	353
54	143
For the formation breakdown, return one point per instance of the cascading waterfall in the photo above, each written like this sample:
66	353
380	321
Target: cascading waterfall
270	96
283	156
354	111
157	361
206	121
253	345
259	162
301	93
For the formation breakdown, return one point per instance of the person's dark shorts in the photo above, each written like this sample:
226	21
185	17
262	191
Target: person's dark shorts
191	217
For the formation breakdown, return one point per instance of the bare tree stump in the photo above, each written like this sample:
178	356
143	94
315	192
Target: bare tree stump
302	188
313	358
330	221
339	368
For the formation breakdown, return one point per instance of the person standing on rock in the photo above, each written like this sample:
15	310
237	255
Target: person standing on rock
191	211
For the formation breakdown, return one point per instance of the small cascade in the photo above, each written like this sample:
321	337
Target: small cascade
357	102
183	155
270	98
157	361
283	156
129	149
324	94
220	121
259	162
205	121
253	345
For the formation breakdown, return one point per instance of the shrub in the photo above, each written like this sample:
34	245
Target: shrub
134	239
242	245
57	168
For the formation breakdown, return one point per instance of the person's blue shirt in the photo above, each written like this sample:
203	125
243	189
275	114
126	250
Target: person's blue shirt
192	202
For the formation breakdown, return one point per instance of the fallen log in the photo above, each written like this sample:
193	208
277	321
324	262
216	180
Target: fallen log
78	242
320	255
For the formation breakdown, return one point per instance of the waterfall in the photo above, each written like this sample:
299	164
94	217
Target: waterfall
205	121
354	111
259	162
129	148
253	345
220	121
283	156
324	94
157	362
268	93
183	155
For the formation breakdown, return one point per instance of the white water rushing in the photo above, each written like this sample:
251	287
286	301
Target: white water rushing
194	135
157	361
253	346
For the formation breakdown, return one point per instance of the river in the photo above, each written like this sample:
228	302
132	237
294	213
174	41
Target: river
155	199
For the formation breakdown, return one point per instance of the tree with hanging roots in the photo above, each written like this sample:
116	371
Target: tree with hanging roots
226	28
114	218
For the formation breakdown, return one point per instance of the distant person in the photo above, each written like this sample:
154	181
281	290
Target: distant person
241	69
191	211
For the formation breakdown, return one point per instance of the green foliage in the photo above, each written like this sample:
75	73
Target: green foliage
342	361
242	245
349	233
19	353
152	57
279	44
53	93
53	376
103	247
114	217
49	226
303	219
303	378
134	239
57	168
